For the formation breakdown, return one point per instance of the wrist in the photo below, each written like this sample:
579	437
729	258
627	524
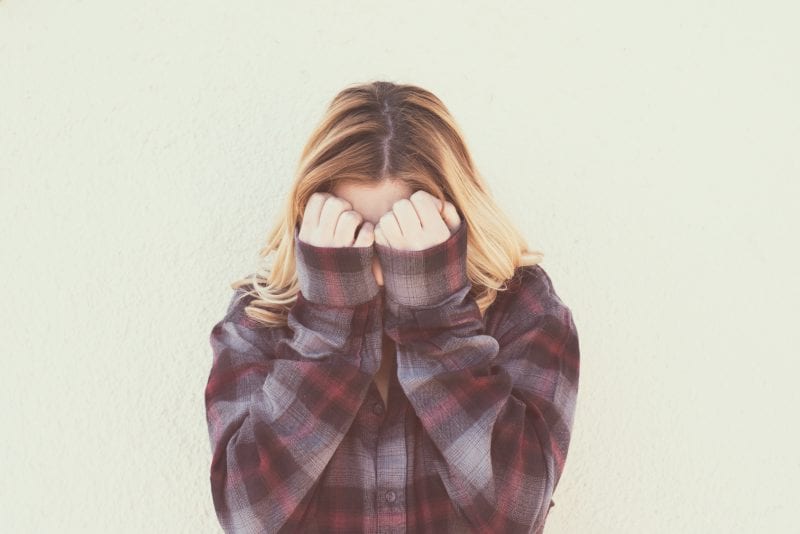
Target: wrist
335	276
425	277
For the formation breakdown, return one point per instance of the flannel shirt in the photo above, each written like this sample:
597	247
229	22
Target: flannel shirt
475	433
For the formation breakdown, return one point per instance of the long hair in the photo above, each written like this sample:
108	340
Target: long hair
377	131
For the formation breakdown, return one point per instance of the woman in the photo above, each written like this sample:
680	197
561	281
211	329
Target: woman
403	364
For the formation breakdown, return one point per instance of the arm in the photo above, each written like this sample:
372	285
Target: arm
499	411
278	406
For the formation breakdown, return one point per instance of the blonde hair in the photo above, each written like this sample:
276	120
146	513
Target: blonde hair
376	131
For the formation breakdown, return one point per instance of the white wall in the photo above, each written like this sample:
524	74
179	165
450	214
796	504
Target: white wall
650	149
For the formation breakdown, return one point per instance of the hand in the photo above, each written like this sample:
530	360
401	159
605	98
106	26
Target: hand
331	221
417	223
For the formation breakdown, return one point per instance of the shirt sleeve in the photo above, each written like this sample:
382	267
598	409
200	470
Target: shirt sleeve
499	410
278	406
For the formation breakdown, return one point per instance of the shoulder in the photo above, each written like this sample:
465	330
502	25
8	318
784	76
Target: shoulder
235	321
532	290
531	301
533	321
244	293
238	301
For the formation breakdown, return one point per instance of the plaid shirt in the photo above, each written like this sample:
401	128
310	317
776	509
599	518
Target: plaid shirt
475	434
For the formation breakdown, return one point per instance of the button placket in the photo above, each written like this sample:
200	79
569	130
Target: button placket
390	473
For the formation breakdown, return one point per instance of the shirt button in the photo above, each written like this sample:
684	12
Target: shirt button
377	408
390	496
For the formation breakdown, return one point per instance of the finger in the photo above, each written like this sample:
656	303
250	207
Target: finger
311	214
329	216
406	215
380	239
346	228
314	207
390	229
451	216
366	235
428	209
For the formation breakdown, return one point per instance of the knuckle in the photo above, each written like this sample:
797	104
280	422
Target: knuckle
401	202
352	215
339	203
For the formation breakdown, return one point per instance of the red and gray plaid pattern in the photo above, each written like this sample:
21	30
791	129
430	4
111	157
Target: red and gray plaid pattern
336	276
415	278
479	418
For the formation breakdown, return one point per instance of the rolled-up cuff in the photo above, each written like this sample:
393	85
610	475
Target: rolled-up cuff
425	277
335	276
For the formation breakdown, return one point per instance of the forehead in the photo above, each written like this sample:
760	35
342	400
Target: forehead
373	200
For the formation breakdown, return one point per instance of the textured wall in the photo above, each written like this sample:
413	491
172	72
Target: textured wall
650	149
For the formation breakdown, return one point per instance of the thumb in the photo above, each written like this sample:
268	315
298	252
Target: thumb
451	217
366	236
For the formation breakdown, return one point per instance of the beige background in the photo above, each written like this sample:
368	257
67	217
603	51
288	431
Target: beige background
649	148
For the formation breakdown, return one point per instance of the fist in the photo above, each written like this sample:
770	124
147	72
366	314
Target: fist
416	223
331	221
